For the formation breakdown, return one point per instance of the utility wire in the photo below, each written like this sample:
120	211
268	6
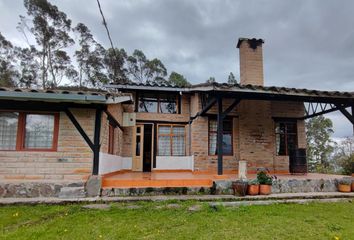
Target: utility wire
110	39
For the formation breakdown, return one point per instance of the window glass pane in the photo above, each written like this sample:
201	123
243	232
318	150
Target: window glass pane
147	103
168	107
8	130
164	129
292	142
178	145
280	144
178	130
39	131
164	146
227	144
213	126
291	128
138	144
212	143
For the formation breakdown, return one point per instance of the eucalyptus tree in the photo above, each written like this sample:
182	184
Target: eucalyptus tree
50	27
8	72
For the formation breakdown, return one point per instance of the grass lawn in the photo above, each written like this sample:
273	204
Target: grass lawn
158	221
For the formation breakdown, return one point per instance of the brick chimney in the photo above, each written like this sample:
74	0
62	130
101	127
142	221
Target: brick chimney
251	61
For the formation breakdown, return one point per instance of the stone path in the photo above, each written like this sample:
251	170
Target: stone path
205	198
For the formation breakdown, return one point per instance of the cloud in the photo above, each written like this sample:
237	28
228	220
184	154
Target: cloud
308	44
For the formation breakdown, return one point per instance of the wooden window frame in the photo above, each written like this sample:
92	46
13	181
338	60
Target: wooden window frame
171	139
21	132
286	134
232	135
158	97
111	138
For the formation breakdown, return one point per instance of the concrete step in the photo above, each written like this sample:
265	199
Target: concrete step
72	192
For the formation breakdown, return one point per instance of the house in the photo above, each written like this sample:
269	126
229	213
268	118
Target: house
58	136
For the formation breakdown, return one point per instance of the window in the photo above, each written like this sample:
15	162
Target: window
157	103
8	130
111	137
227	137
171	140
28	131
286	137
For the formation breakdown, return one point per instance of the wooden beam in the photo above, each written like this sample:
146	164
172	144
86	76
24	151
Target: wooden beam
220	136
96	142
205	109
346	113
112	119
231	107
79	128
319	113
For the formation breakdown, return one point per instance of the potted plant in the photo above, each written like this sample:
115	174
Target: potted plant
344	185
265	181
239	187
253	187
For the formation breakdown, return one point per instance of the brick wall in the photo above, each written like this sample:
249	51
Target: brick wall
253	135
71	162
251	64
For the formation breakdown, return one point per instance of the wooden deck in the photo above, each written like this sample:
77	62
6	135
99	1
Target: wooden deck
184	179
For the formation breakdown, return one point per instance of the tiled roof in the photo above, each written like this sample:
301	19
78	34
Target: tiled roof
224	87
65	94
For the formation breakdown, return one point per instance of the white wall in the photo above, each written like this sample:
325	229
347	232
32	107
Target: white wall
111	163
174	162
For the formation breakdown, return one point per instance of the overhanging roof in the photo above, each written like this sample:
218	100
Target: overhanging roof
49	95
249	91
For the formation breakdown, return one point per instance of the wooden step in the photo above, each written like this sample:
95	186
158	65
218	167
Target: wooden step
155	183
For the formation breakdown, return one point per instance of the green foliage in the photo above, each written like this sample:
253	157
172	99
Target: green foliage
319	144
8	72
155	220
231	79
253	182
264	178
345	181
178	80
343	156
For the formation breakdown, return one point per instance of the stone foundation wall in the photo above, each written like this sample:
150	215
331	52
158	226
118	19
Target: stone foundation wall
34	189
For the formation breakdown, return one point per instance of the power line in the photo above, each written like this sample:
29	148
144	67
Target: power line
112	46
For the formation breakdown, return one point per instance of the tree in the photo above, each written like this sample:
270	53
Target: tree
178	80
231	79
114	61
28	66
143	70
50	28
344	156
211	80
90	58
8	72
319	144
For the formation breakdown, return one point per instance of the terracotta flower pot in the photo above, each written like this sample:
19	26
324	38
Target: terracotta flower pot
344	188
265	189
253	189
240	188
352	186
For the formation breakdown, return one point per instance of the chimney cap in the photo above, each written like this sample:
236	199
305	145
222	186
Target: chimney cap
253	42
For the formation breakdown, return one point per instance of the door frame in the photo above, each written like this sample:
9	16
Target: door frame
138	161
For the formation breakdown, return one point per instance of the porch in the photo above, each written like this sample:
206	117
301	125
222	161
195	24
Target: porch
189	179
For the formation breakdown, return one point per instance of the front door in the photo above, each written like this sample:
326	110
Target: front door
138	149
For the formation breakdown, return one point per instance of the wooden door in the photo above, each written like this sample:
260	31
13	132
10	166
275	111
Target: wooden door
138	148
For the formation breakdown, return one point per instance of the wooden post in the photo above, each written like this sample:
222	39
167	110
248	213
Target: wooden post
220	136
96	142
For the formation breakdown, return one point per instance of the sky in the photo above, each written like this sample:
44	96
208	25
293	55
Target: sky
308	44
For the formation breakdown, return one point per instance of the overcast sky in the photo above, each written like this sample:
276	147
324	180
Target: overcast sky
308	44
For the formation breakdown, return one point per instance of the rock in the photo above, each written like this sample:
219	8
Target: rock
133	207
173	206
195	208
46	190
93	186
97	206
2	191
72	192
